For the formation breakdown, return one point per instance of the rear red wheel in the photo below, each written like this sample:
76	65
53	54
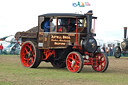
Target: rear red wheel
74	62
29	55
100	62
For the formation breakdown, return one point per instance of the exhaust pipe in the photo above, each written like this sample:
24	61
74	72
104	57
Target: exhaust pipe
89	21
125	32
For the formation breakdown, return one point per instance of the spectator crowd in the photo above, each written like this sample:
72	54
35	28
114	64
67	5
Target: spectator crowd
1	48
109	50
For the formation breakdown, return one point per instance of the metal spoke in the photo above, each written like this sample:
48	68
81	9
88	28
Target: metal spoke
29	47
32	60
72	57
27	62
26	50
69	61
76	57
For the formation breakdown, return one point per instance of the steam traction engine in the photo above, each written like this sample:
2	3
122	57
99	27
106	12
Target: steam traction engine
69	43
124	46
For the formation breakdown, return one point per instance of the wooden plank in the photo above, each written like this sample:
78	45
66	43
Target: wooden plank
26	35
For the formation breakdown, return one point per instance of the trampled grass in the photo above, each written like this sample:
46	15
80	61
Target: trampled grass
13	73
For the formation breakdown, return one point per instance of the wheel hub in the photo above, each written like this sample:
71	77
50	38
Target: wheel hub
117	50
73	63
29	55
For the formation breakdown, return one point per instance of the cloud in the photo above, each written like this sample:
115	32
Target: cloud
22	15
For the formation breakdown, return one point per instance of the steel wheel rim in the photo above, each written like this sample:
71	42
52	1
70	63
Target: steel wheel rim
73	62
101	60
117	52
27	54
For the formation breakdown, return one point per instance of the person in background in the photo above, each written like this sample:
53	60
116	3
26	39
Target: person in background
47	25
113	49
1	48
110	50
104	48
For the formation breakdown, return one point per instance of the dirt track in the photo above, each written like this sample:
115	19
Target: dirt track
118	65
13	73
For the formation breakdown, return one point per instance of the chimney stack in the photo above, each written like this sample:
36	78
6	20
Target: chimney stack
89	21
125	32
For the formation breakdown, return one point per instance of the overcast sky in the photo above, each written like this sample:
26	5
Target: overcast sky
21	15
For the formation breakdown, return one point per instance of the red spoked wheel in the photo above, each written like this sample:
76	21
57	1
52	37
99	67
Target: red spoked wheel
29	55
100	62
74	62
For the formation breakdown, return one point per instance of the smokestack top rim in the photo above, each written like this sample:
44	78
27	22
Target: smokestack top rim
125	27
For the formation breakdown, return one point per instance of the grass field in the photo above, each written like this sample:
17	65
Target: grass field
13	73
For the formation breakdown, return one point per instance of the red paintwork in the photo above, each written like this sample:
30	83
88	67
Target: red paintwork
19	42
27	54
89	61
60	29
93	60
76	29
70	58
78	48
48	53
96	60
100	62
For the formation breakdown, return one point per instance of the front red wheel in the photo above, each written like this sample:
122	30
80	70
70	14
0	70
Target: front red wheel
100	62
74	62
29	55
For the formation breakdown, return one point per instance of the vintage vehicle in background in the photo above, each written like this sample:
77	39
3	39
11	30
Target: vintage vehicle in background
5	41
123	47
12	48
10	45
69	43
